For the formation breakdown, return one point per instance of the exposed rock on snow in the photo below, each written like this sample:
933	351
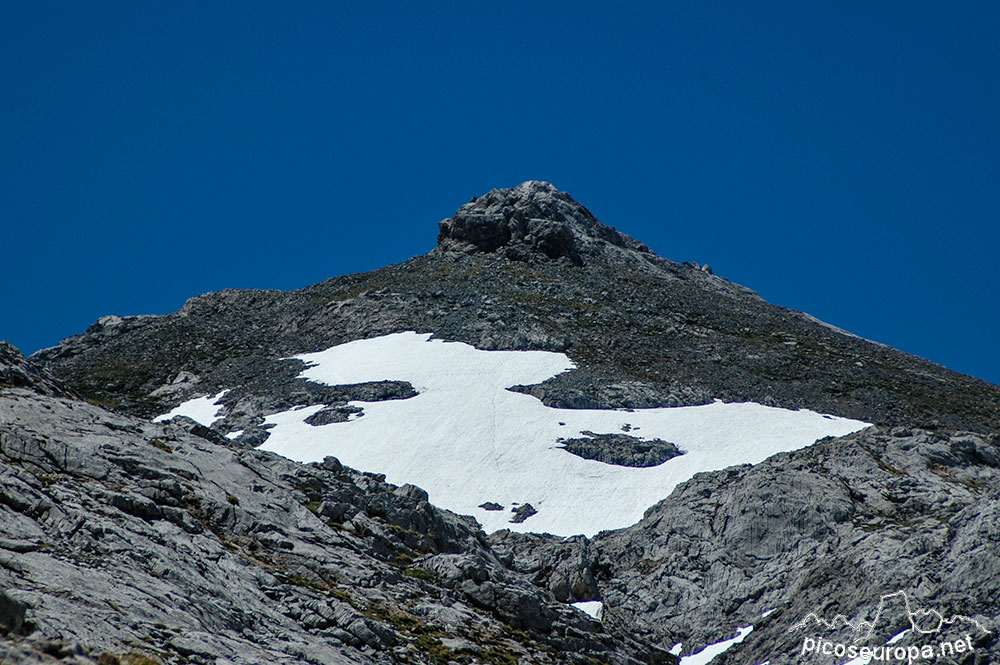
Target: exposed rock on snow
621	449
522	513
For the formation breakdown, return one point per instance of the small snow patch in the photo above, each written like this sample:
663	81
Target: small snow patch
592	607
897	637
202	410
706	655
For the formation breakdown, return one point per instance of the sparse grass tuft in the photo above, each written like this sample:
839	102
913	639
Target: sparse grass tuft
161	444
498	657
303	582
139	659
420	574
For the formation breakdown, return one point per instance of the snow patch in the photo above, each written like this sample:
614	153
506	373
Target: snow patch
202	410
467	440
706	655
897	637
866	660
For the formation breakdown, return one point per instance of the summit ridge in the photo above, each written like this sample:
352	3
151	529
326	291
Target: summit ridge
523	268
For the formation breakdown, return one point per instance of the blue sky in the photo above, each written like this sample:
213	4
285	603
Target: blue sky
839	158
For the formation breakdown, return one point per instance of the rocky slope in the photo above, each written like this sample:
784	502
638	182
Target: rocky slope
827	529
280	562
127	541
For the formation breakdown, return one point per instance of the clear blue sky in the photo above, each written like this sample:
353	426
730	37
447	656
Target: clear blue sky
838	157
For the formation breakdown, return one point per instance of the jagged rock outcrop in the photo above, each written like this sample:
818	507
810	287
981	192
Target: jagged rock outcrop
621	449
533	218
566	567
18	372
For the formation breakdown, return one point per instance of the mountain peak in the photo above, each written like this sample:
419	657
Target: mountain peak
533	219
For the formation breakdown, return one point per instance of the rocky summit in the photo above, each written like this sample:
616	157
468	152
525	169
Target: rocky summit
146	517
533	219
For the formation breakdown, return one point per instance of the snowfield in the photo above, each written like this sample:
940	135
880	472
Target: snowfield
468	440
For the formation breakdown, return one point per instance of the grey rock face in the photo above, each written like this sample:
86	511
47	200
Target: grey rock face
581	389
563	566
121	539
182	384
522	512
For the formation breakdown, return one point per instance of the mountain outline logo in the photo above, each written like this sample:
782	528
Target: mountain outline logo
918	619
